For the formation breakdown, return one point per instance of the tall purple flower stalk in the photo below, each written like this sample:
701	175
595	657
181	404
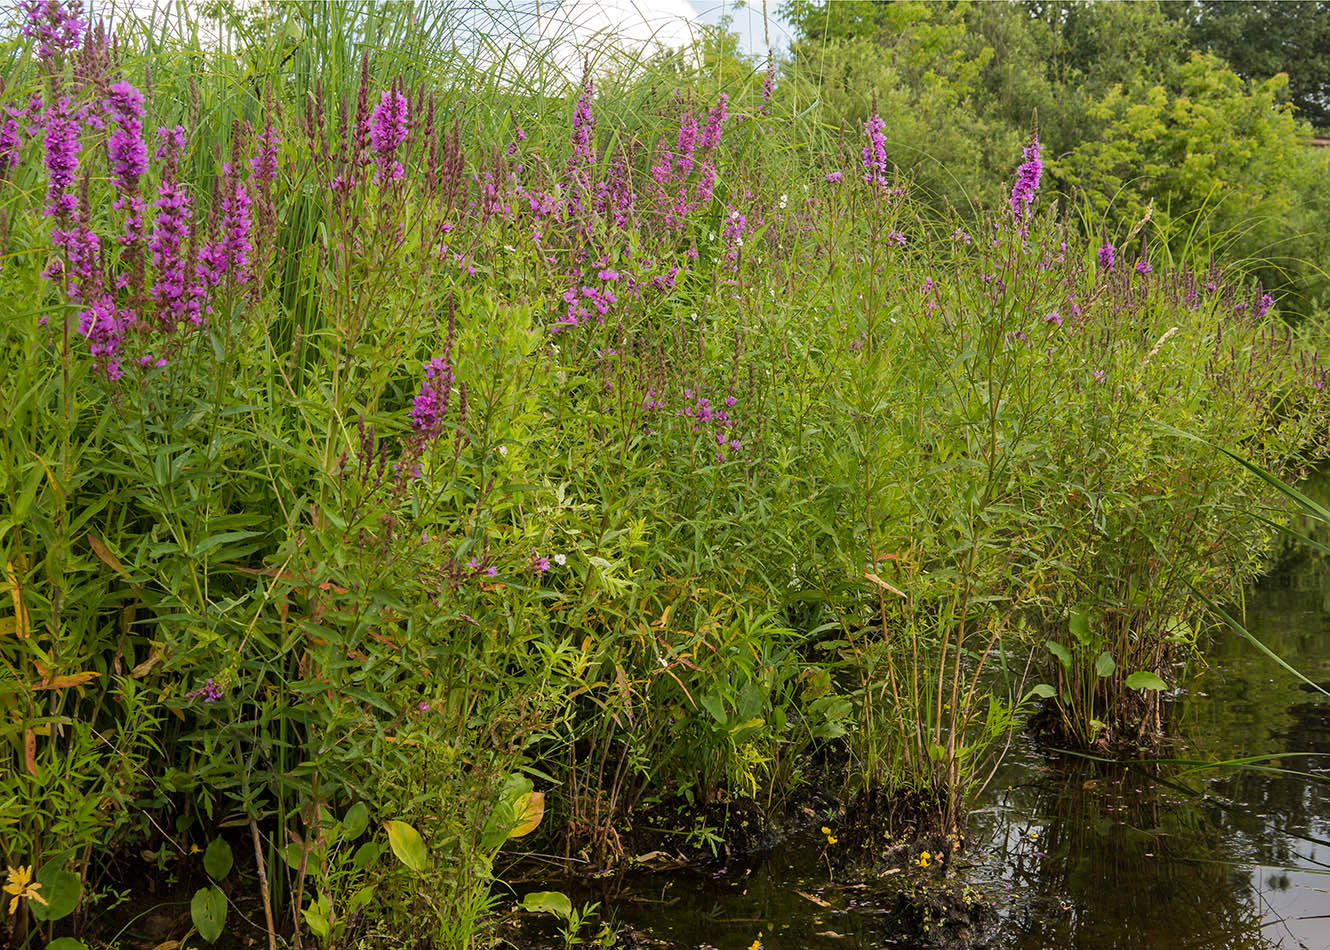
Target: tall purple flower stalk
174	292
1107	257
104	329
58	27
62	157
128	153
431	403
264	164
1027	181
387	131
875	151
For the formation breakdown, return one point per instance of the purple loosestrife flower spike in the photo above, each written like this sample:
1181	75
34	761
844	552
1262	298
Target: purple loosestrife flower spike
10	143
104	330
1027	181
128	153
875	151
264	164
57	27
62	158
387	131
431	403
1107	257
715	122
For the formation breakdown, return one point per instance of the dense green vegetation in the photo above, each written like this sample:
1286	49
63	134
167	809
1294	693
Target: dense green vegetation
400	459
1137	107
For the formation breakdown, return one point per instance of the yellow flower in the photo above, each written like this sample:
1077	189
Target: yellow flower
925	859
831	839
826	830
756	944
21	885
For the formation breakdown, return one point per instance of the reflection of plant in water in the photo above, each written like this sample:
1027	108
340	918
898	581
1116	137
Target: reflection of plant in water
1128	844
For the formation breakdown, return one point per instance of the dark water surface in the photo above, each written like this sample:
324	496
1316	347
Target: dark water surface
1073	853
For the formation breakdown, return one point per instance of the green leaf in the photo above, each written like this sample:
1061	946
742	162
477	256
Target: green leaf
208	912
548	902
367	854
1142	680
1079	624
1059	651
61	889
407	845
66	943
1042	690
218	860
1105	665
355	822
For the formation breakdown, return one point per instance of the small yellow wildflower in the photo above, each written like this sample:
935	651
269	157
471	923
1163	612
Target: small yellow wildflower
925	859
21	885
826	830
831	839
756	944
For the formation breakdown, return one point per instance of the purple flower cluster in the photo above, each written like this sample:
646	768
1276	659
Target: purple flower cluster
1027	181
387	131
56	27
875	151
1107	257
431	403
128	153
264	164
104	328
62	157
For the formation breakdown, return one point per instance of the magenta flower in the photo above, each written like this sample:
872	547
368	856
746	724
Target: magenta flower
264	164
1053	317
387	131
834	178
875	151
128	153
1027	181
1107	258
56	27
104	330
431	403
540	564
1143	266
715	121
1266	303
62	158
10	143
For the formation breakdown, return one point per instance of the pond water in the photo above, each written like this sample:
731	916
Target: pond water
1075	853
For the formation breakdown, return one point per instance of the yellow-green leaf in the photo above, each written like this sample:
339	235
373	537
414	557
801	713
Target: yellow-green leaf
407	845
529	810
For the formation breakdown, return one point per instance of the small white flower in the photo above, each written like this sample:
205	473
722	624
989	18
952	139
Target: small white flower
784	199
503	450
561	559
555	349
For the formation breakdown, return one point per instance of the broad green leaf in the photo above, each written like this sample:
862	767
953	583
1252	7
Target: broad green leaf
61	890
548	902
1142	680
1042	690
367	854
355	822
66	943
407	845
218	860
1061	652
208	912
1079	624
1105	665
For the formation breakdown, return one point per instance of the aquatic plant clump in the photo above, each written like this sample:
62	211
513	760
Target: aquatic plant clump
392	486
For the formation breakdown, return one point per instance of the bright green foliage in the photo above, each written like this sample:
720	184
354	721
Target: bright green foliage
826	470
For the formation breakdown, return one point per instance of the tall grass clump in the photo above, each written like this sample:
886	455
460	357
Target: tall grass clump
395	468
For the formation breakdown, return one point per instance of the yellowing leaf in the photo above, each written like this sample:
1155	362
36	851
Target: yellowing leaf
68	680
407	845
529	809
104	554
